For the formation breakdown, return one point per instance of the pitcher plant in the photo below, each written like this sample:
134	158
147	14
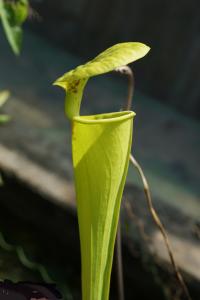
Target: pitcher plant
101	146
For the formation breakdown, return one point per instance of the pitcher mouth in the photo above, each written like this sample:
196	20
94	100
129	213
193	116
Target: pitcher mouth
105	118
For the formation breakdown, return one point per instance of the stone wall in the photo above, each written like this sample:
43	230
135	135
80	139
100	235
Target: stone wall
171	72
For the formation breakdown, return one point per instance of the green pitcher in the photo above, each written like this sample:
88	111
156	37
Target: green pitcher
101	146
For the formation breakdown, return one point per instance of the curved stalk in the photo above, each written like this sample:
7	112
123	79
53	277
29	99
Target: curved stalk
161	228
126	70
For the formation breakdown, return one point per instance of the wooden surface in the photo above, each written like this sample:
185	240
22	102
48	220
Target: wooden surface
35	146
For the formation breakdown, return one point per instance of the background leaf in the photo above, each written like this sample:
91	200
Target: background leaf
4	95
13	14
4	119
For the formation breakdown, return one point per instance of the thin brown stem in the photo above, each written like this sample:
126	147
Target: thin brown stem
125	70
160	226
119	265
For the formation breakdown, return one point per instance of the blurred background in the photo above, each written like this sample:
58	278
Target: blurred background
171	28
37	202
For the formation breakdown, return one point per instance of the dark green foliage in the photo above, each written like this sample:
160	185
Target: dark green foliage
13	14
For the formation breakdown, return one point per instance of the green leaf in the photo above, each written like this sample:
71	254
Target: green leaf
21	11
12	15
4	119
4	95
74	81
101	147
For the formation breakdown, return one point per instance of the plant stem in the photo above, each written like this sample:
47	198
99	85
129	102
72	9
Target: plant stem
160	226
124	70
119	264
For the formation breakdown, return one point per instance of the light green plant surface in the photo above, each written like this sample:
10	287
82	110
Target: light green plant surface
100	148
13	14
100	159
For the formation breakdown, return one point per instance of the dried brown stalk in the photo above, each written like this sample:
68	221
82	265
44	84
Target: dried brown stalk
119	264
126	70
118	244
160	226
